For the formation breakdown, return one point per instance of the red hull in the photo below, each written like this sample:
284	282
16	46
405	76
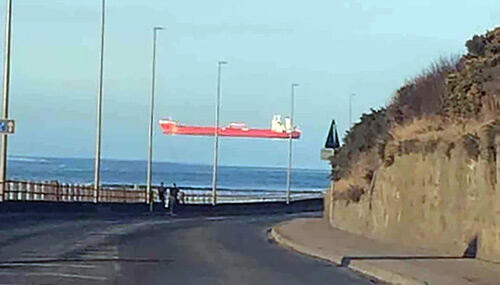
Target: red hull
172	128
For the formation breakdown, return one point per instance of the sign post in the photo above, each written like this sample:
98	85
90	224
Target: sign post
5	99
7	127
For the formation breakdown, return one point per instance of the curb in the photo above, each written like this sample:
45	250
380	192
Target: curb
359	266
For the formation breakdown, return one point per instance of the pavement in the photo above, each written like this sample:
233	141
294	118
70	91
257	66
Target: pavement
387	262
156	249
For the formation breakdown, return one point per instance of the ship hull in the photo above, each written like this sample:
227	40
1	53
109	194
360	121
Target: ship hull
172	128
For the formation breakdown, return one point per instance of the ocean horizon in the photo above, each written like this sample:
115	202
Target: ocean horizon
124	171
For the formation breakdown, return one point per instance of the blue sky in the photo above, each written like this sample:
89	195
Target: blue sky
331	48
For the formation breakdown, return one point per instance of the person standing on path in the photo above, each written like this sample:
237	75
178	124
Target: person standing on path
173	199
162	191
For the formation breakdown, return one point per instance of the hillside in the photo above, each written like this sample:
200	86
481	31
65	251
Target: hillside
425	167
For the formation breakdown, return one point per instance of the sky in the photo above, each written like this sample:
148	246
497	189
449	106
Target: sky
332	48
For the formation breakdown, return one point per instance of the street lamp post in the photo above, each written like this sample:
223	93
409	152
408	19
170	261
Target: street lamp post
97	168
151	122
350	108
216	135
289	174
6	90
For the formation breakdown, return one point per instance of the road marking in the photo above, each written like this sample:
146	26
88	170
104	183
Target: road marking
89	257
55	274
76	276
46	265
215	218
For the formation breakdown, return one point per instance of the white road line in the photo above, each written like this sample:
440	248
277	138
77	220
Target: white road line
76	276
91	256
215	218
46	265
55	274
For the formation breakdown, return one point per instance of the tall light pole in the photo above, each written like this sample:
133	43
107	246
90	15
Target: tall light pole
216	135
6	90
289	174
97	168
350	109
151	122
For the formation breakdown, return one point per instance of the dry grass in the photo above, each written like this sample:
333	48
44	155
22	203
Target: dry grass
491	104
360	176
423	95
430	128
435	128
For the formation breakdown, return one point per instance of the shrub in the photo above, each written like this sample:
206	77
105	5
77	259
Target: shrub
352	194
450	89
471	145
362	137
476	45
424	94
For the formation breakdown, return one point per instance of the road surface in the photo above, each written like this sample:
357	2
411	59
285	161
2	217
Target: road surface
155	250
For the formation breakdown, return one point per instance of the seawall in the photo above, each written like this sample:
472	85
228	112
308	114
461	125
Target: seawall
436	194
33	208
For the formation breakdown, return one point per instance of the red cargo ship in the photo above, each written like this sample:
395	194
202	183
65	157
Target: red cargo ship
278	130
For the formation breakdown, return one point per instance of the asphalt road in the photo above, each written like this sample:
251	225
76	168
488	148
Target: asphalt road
155	250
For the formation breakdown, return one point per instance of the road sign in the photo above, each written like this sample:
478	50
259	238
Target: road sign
6	126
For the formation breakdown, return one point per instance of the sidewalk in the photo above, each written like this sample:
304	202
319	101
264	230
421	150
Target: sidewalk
387	262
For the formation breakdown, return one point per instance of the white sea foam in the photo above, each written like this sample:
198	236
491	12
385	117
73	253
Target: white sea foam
27	159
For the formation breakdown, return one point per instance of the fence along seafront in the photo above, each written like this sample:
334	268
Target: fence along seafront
54	191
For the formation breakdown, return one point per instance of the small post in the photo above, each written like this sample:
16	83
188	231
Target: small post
43	190
29	191
26	190
77	192
19	186
36	191
12	192
72	192
65	192
58	191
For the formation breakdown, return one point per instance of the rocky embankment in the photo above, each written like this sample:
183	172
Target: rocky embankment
431	175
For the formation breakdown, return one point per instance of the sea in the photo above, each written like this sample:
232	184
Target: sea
130	172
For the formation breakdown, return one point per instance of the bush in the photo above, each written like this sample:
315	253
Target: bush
472	92
476	45
424	95
363	136
419	97
453	88
352	194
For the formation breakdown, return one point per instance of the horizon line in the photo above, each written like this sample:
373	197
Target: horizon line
163	161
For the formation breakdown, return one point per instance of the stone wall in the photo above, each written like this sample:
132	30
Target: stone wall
446	199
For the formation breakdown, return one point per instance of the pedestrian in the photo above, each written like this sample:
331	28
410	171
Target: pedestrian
173	199
162	191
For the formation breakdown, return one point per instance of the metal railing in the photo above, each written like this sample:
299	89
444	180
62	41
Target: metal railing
206	198
53	191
